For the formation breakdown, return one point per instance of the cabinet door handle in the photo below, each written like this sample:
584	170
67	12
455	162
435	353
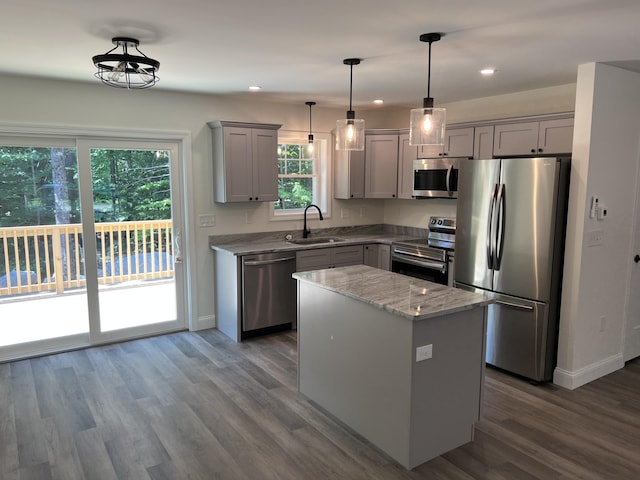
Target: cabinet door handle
636	258
533	150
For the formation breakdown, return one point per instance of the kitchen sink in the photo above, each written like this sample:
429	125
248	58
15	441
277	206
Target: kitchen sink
315	241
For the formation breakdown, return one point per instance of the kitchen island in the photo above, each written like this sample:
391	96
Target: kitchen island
398	359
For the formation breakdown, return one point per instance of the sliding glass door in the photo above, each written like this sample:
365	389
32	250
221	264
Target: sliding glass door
43	296
89	242
134	272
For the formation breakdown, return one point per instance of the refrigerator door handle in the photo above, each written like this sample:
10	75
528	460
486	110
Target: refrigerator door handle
528	308
499	244
490	246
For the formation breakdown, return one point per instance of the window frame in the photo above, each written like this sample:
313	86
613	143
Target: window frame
321	180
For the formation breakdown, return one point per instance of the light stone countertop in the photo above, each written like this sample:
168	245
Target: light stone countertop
269	242
405	296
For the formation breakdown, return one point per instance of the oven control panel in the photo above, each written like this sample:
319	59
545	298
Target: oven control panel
442	232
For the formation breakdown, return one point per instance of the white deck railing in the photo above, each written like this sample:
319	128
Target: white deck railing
51	257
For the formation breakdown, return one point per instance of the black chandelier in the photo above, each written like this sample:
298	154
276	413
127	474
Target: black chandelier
123	70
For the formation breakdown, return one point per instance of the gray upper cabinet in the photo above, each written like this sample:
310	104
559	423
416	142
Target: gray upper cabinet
458	142
348	169
406	155
556	136
381	166
483	142
245	161
530	138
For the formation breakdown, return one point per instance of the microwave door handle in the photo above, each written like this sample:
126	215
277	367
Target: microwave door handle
492	202
500	227
449	179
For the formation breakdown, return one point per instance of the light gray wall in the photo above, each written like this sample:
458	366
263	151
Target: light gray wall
605	162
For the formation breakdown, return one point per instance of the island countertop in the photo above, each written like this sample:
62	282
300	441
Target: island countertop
405	296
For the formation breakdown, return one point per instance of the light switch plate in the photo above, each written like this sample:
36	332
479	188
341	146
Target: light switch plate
207	220
424	352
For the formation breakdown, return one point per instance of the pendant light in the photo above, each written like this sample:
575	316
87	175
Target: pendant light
310	146
427	123
123	70
350	132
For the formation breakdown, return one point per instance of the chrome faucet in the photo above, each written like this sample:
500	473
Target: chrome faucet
305	230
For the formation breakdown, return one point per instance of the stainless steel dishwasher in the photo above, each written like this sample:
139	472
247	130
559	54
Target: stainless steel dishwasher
269	295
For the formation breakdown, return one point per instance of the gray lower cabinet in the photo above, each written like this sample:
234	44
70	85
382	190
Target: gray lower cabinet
318	258
377	255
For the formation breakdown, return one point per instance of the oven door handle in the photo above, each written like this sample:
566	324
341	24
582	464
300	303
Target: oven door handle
442	267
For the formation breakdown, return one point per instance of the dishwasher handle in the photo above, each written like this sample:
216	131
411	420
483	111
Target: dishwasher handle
253	263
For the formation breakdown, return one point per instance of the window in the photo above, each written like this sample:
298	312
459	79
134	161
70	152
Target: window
302	175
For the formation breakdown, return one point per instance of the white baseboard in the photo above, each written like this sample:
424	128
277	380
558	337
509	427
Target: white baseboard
575	379
203	323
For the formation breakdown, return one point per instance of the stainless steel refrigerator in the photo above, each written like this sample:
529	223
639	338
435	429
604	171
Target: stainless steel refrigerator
511	218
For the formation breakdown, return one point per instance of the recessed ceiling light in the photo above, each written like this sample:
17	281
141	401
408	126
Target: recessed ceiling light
378	101
487	72
255	88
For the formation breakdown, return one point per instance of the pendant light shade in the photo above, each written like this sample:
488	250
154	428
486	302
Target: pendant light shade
428	123
350	131
310	146
123	70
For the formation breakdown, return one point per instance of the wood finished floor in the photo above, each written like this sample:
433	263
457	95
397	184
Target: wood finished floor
198	406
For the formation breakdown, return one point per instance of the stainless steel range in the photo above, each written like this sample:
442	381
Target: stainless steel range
428	258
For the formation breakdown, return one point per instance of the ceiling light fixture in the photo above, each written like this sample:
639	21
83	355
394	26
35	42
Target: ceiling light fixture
310	147
123	70
488	71
255	88
350	132
427	123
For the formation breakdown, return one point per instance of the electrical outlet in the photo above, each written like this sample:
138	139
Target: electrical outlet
595	205
595	238
363	212
345	213
424	352
248	217
207	221
603	323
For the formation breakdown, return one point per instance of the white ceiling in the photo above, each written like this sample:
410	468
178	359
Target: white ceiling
294	48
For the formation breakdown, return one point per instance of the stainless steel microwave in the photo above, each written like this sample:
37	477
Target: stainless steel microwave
435	177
